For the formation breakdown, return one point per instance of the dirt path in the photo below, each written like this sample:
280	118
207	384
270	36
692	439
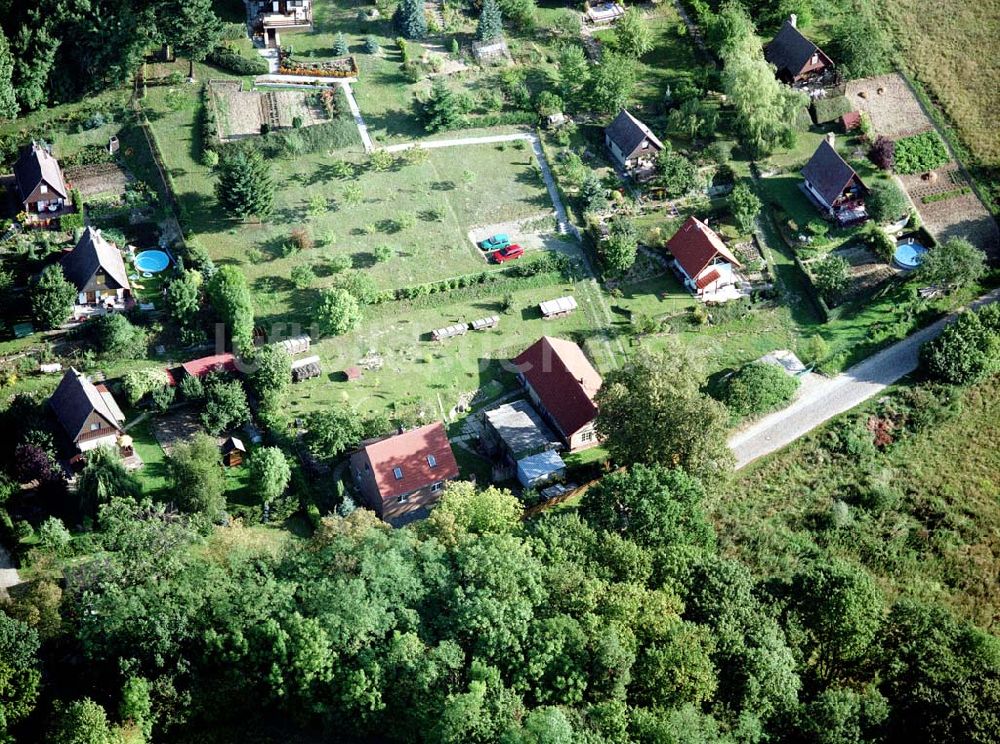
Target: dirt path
8	574
834	396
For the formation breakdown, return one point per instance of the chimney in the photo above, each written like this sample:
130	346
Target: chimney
794	20
831	137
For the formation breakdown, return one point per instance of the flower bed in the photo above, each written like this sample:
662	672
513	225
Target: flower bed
337	68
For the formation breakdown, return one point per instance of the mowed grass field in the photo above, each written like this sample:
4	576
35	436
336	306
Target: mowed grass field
952	48
422	211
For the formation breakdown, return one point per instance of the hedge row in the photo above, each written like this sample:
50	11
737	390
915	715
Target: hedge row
231	60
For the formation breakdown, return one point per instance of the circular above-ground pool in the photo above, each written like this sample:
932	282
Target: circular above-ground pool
152	261
909	253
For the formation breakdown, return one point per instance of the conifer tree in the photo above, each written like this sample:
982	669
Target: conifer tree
411	20
340	45
490	21
245	188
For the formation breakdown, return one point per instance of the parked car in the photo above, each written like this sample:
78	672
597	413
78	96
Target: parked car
508	253
500	240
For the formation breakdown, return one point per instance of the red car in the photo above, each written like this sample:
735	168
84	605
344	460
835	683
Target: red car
508	253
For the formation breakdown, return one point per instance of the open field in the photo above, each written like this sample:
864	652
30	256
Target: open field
933	531
938	42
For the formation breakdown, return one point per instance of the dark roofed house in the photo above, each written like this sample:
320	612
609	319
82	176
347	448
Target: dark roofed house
795	57
631	143
87	413
39	180
704	262
834	185
95	267
400	476
562	383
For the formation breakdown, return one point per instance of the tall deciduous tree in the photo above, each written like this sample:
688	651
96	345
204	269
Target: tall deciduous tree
34	58
104	478
52	298
8	100
677	174
745	206
652	411
191	26
955	263
574	74
619	249
269	473
183	299
611	83
225	405
229	294
765	109
245	188
338	311
490	24
632	35
331	431
477	511
196	480
19	671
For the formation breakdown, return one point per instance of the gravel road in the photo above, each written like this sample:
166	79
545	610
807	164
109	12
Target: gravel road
831	397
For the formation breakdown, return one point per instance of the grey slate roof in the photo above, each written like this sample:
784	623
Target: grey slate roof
789	51
36	165
628	133
90	253
521	428
828	173
76	398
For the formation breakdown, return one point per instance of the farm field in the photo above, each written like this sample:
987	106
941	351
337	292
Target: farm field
936	47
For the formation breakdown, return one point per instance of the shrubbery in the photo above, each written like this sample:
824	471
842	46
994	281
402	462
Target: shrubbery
968	350
231	60
757	388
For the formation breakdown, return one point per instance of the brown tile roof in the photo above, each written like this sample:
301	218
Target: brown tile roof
563	379
76	398
828	173
694	246
36	165
410	452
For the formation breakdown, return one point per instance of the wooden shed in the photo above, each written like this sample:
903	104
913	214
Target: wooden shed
233	452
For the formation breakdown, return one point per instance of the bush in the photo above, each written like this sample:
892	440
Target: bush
231	60
71	222
831	277
919	153
883	153
371	45
968	350
887	202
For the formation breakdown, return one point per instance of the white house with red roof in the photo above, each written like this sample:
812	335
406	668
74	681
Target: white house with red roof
706	266
562	383
401	475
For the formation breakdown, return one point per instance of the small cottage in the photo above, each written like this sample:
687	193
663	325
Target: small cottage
88	413
95	267
704	263
39	180
632	145
795	58
834	186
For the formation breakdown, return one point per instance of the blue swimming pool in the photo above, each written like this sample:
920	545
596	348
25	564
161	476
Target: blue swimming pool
909	253
152	261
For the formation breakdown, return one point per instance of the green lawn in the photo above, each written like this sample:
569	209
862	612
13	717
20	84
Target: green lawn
426	377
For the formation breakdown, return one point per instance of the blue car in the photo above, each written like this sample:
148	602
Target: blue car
495	243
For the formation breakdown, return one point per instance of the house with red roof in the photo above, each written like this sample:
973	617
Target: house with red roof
400	476
562	383
704	263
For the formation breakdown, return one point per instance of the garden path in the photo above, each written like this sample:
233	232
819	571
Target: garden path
834	396
8	574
